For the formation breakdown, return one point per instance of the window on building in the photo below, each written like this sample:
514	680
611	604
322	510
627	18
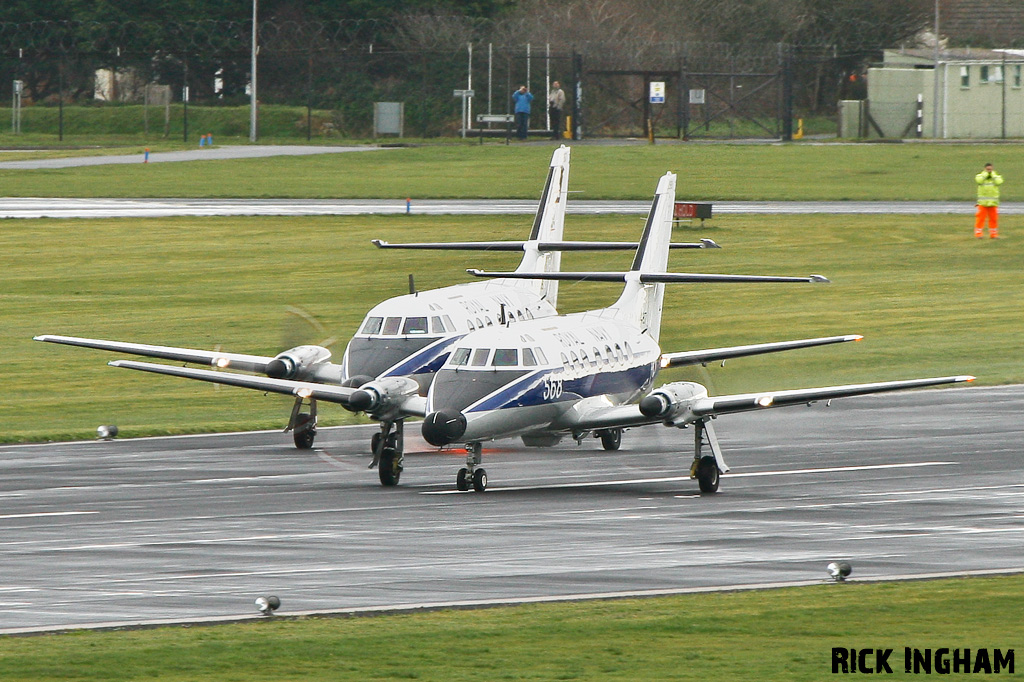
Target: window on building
1017	75
983	75
965	76
995	74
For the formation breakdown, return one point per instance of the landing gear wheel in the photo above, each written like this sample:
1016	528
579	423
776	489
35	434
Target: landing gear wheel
479	480
304	432
390	467
611	439
462	480
375	442
707	475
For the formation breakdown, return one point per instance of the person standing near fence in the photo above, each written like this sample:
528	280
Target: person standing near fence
522	97
988	202
556	103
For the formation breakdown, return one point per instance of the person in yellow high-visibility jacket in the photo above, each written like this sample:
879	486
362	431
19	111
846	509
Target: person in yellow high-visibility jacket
988	202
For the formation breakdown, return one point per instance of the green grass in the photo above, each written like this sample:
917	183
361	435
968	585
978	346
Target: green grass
785	634
803	171
930	299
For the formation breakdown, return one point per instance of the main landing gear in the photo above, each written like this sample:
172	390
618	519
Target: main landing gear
611	439
388	448
706	468
303	424
470	474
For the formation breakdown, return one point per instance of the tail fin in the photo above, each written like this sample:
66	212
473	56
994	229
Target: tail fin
641	303
548	225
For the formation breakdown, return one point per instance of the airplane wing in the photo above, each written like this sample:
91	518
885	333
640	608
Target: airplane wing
744	402
700	357
238	361
691	403
541	246
333	394
644	277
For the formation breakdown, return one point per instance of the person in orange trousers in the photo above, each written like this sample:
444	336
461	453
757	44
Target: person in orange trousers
988	182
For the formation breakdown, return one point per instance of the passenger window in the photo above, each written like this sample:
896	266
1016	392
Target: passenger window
437	326
415	325
392	325
506	357
575	359
528	359
480	357
460	357
373	325
565	361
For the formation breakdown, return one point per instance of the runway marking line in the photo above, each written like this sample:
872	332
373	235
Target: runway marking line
43	514
672	479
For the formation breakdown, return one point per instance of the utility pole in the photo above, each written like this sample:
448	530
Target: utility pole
252	79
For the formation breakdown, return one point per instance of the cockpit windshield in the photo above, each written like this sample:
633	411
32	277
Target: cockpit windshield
502	357
407	326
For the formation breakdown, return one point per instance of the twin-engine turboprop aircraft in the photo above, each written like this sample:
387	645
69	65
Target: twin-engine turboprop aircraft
401	341
593	371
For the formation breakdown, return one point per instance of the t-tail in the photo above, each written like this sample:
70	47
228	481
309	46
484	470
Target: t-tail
548	226
641	303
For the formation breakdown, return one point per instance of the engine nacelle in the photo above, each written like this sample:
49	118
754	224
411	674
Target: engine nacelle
305	363
672	401
383	397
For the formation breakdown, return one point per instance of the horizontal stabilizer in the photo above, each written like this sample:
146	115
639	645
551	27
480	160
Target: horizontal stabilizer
333	394
644	277
541	246
699	357
237	361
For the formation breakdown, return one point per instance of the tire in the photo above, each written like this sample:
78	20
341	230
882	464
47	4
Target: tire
479	480
708	475
611	439
389	467
304	432
462	480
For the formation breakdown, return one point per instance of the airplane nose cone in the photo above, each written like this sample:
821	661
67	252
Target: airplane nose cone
443	427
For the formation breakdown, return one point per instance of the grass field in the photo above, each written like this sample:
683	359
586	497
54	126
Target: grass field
930	299
783	634
803	171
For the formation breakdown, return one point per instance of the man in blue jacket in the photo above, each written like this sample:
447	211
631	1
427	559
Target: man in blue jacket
522	98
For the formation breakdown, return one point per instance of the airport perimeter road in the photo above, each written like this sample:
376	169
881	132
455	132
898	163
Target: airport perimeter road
138	208
207	154
196	528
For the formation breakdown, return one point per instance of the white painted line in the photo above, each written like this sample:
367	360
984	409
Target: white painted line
672	479
42	514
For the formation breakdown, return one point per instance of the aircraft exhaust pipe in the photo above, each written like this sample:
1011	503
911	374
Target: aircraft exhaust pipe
279	368
443	427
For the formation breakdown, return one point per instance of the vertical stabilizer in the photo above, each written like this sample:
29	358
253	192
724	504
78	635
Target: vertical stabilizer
640	304
548	225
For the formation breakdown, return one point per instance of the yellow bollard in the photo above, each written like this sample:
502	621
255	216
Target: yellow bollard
567	133
799	134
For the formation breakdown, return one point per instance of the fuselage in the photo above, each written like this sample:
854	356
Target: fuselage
522	379
412	335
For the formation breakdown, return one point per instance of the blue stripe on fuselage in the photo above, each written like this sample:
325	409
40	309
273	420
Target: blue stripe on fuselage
427	361
531	389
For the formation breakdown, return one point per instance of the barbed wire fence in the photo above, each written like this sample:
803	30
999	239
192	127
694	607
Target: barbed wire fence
333	72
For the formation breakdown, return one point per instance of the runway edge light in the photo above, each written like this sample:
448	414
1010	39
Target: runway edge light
839	570
267	605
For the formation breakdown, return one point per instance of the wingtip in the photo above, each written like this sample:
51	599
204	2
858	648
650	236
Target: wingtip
820	279
379	243
965	378
709	244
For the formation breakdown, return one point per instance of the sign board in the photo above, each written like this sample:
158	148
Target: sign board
657	92
697	96
463	93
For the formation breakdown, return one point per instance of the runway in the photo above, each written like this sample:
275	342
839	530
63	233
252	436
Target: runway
195	528
43	207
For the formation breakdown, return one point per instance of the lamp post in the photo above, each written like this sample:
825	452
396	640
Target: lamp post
935	87
252	79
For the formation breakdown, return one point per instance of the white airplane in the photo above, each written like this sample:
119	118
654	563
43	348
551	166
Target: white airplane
404	340
593	371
